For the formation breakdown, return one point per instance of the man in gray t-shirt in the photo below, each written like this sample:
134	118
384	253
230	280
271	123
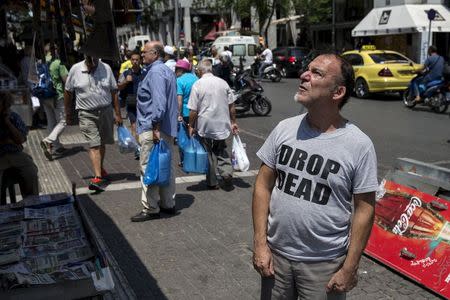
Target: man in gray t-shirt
313	165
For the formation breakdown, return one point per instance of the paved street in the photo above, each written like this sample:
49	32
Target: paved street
204	252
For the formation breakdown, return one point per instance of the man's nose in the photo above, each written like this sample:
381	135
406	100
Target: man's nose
305	75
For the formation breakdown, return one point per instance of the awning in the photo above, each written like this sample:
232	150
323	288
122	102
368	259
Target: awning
211	36
402	19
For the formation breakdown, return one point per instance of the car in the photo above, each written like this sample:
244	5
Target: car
380	70
289	59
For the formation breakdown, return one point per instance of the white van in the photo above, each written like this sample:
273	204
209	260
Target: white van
244	46
137	40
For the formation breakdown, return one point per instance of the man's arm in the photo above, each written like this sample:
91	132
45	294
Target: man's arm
234	125
15	134
118	115
180	107
346	278
262	255
68	106
193	115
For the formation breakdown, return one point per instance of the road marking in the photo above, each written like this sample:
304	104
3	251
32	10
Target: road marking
179	180
254	134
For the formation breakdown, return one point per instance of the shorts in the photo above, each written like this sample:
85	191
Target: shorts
131	112
97	125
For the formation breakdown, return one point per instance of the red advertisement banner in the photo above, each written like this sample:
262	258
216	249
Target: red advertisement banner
411	234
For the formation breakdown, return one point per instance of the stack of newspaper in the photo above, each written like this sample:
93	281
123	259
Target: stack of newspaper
42	241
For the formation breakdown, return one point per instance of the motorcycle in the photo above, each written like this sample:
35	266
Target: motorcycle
435	94
270	72
248	95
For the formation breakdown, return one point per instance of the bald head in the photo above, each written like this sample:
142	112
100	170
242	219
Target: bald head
153	51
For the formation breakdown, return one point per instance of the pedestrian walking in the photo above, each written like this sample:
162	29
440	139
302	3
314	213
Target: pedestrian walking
95	90
308	233
128	85
13	133
54	106
185	80
212	116
169	57
157	111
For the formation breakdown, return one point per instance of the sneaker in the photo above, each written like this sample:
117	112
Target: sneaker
47	149
97	184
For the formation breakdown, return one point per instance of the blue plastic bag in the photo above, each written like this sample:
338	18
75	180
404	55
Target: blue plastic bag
195	157
182	136
157	171
127	143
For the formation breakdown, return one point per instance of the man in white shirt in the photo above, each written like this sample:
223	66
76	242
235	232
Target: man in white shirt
267	56
212	117
169	57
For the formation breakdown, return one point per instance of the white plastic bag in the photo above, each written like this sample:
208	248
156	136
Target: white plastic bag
239	158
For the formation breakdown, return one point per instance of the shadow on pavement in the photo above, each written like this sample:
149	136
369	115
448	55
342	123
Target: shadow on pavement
70	152
141	281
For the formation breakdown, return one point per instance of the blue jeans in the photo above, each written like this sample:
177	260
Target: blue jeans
261	69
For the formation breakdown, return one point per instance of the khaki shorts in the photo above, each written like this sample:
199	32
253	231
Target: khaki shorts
97	126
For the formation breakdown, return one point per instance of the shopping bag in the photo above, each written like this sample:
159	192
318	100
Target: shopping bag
157	171
239	159
182	136
127	143
195	157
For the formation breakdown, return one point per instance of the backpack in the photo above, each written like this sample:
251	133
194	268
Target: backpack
44	88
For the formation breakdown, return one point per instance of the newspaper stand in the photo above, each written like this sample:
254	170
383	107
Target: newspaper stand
105	282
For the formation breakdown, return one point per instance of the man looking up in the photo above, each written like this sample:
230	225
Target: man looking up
314	196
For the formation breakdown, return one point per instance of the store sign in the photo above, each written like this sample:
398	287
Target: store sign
384	19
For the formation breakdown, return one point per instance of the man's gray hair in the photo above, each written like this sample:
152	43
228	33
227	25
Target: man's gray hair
205	66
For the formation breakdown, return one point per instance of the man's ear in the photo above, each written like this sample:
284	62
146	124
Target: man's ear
339	92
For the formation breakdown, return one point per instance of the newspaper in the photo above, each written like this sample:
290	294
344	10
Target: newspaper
47	200
48	212
11	216
56	237
52	262
33	278
53	248
19	267
51	225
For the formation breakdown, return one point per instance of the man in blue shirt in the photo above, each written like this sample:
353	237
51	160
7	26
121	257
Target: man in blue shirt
128	85
434	68
157	111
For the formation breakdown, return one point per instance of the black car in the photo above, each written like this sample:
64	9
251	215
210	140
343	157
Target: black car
289	59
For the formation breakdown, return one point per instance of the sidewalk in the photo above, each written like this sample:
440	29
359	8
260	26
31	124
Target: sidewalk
203	252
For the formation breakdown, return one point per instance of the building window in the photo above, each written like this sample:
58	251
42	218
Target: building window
388	2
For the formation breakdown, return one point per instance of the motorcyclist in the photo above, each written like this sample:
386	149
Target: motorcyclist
224	68
267	56
434	69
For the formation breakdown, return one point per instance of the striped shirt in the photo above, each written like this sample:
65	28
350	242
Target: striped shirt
92	90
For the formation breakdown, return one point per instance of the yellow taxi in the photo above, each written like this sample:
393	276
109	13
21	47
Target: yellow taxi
380	70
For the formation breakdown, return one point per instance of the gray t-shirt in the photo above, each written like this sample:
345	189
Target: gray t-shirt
92	90
317	174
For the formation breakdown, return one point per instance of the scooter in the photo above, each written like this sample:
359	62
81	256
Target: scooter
270	72
249	95
435	94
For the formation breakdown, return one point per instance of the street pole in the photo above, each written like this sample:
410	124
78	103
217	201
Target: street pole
333	31
431	14
176	31
429	34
